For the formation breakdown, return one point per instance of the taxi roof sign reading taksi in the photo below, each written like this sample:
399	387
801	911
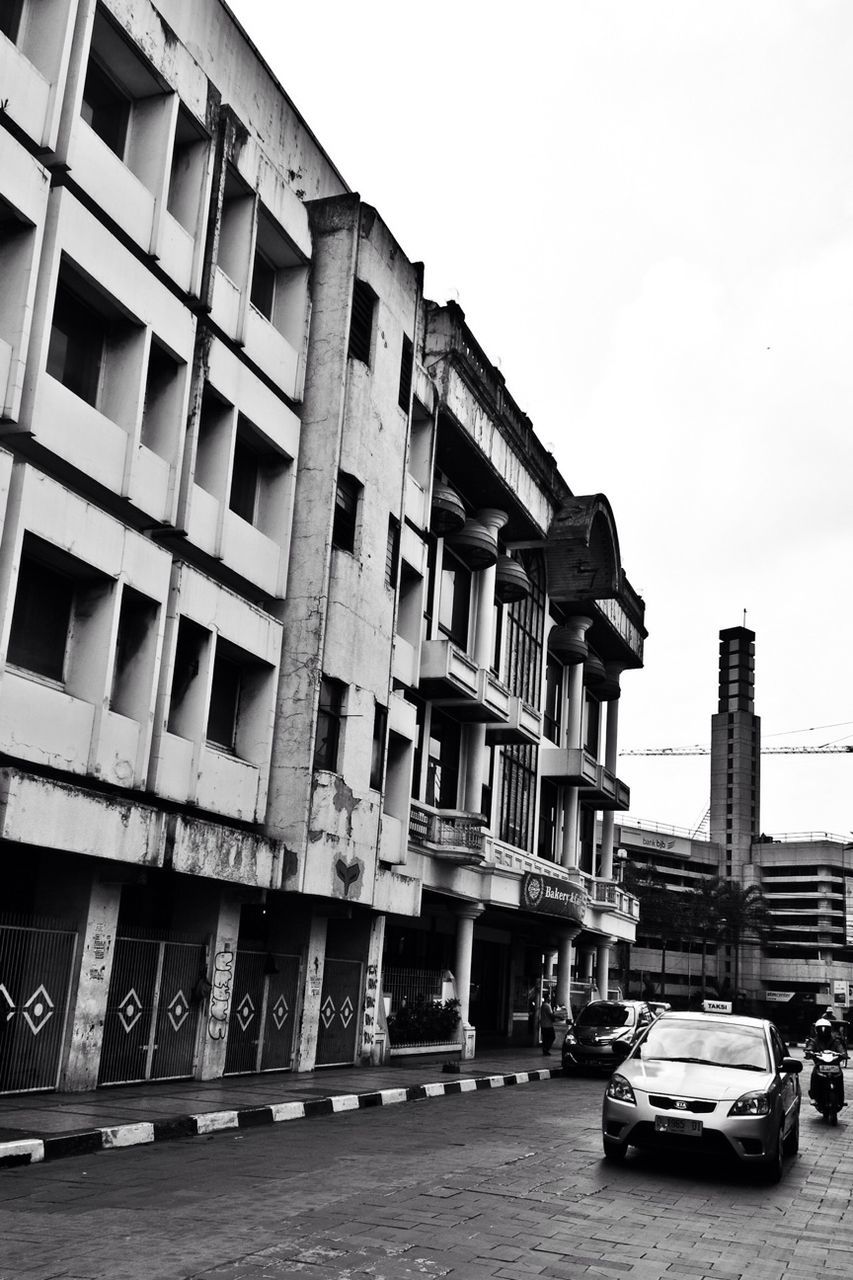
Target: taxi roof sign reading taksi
553	897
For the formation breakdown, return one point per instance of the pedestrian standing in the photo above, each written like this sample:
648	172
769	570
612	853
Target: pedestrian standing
546	1026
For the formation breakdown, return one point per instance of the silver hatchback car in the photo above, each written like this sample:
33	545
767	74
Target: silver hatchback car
704	1083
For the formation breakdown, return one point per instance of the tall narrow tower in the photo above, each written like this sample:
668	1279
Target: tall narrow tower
735	752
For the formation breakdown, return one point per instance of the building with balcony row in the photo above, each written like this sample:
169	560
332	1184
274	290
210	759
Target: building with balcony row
309	656
804	960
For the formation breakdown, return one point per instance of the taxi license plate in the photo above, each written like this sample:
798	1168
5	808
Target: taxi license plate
678	1124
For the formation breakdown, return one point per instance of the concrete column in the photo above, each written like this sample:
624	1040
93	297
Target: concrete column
83	1058
611	744
216	1010
374	1037
571	822
587	957
603	967
574	724
611	755
574	740
564	966
484	639
464	949
312	991
606	868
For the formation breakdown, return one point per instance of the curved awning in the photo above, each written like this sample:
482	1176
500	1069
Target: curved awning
582	551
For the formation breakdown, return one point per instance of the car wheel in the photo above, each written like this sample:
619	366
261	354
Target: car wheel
615	1152
774	1163
792	1142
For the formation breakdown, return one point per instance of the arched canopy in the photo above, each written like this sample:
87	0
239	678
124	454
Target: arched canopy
582	551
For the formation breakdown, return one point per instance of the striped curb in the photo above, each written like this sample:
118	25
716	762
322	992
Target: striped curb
86	1141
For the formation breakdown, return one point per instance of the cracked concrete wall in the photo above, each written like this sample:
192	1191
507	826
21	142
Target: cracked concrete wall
339	614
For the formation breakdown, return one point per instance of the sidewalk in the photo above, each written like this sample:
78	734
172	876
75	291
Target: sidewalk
47	1126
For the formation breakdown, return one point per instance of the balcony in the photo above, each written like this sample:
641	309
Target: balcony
449	834
612	897
571	766
449	678
523	728
608	792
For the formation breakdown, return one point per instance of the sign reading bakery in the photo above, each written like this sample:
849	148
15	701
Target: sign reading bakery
553	897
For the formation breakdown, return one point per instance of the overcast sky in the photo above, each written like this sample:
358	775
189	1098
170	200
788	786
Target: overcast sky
645	209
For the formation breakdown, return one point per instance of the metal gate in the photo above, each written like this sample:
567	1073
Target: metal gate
262	1021
339	1006
152	1018
35	984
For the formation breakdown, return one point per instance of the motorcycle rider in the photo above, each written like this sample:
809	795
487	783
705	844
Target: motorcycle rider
825	1036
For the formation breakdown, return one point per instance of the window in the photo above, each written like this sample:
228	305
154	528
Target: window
392	553
77	342
161	409
245	476
278	289
454	599
549	821
225	690
329	719
346	512
361	323
235	228
552	717
136	627
377	756
525	625
407	356
187	173
593	725
517	796
41	619
105	107
587	841
10	18
442	780
189	649
263	285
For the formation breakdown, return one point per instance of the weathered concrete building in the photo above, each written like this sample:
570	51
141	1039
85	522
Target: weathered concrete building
309	658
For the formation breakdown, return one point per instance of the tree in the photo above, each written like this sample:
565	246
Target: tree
663	910
705	919
744	918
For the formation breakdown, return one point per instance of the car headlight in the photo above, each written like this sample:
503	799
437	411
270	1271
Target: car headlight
751	1104
619	1089
570	1039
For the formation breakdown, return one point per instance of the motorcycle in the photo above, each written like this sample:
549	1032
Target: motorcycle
826	1087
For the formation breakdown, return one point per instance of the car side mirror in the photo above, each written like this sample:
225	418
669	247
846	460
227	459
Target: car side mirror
792	1065
621	1049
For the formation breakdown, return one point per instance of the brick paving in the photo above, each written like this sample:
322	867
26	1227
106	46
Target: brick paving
498	1184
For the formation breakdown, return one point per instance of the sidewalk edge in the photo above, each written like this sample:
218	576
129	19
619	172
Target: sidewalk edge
25	1151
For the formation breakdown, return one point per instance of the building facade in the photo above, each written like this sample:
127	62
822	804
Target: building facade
804	960
309	658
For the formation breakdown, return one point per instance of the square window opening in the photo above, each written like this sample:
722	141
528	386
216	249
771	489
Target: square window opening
41	618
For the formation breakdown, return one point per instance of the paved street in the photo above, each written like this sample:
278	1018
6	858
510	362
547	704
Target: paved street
506	1184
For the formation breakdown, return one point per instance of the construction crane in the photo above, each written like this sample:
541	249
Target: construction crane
765	751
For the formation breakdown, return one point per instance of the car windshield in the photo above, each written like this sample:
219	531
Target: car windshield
606	1013
713	1043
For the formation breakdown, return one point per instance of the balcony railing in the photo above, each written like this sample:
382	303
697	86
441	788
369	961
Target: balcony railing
607	893
450	678
451	834
523	728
